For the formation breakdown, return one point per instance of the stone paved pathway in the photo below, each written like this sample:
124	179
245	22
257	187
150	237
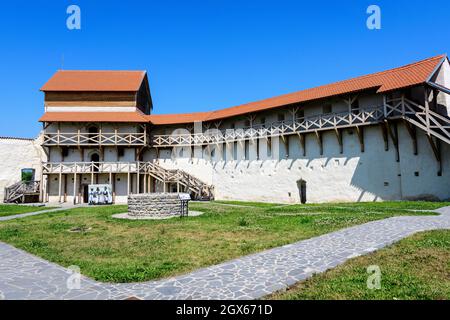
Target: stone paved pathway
23	215
24	276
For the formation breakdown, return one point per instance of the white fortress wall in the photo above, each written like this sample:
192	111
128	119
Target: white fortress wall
17	154
442	77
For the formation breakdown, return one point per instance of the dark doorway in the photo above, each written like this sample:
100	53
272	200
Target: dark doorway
95	158
85	193
93	134
301	184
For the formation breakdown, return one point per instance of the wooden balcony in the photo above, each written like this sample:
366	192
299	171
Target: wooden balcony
276	129
94	139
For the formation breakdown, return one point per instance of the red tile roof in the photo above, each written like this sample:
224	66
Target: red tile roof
402	77
77	80
157	119
93	117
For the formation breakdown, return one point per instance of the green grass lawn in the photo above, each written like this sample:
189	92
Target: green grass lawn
417	268
116	250
12	209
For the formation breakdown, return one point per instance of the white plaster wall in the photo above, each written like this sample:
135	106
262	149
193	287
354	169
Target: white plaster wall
16	154
443	78
374	175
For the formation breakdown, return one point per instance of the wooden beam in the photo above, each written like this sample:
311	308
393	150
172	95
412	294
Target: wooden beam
301	138
393	132
412	133
286	145
436	147
320	141
360	132
385	136
339	138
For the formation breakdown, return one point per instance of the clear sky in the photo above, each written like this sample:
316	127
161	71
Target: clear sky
203	55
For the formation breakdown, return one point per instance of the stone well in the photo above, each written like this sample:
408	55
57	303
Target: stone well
154	204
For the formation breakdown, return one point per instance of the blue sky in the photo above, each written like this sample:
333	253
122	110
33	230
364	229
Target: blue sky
204	55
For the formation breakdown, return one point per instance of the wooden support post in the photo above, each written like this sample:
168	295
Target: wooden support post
393	132
65	188
92	172
128	182
137	179
385	136
75	186
360	132
436	147
412	133
114	187
286	144
339	139
427	110
301	138
60	184
320	141
145	182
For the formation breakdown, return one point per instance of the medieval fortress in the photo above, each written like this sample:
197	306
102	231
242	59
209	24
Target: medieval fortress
384	136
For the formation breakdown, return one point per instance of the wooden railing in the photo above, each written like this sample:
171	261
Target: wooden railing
299	125
432	122
161	174
88	139
17	191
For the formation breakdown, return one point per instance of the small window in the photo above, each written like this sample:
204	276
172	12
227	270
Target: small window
281	117
247	123
386	184
120	151
301	114
355	106
28	175
233	126
263	121
416	173
65	152
326	109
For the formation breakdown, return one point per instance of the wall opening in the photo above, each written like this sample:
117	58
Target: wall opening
301	184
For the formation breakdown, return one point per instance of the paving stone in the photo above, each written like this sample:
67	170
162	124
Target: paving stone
24	276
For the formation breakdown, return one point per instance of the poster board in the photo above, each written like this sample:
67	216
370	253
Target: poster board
100	194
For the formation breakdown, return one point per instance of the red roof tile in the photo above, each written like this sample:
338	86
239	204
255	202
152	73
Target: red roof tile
93	117
77	80
402	77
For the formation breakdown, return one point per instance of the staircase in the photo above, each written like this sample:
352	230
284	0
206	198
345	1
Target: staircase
22	192
190	184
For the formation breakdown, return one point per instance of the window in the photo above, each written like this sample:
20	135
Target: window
326	109
64	152
301	114
247	123
120	151
355	106
263	121
281	117
28	175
